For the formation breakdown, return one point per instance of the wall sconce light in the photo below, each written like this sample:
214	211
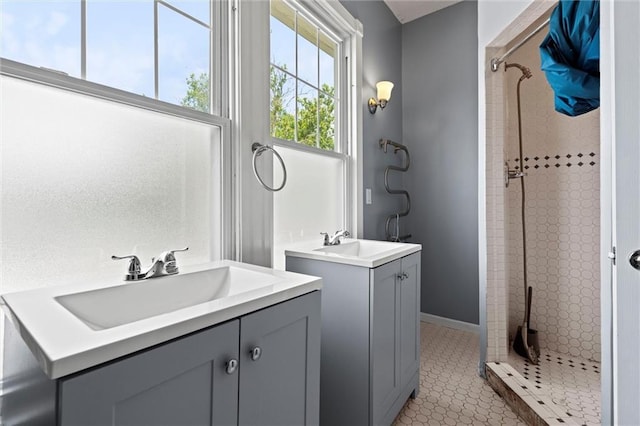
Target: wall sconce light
384	94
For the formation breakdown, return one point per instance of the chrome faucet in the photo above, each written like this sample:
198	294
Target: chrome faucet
165	264
334	240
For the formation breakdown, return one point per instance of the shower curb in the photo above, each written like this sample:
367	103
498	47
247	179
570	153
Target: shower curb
533	406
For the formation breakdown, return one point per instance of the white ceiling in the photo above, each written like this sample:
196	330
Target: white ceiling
408	10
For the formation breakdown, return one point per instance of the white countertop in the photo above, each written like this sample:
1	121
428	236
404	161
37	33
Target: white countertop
63	344
374	253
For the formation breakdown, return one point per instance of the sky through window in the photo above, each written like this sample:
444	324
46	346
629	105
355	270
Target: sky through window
119	41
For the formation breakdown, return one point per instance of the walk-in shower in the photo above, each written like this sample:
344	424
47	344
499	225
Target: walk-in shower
547	240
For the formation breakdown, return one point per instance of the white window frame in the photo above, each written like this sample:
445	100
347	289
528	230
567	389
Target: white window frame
333	18
223	245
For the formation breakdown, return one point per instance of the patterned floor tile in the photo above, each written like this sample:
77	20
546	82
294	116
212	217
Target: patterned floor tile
451	392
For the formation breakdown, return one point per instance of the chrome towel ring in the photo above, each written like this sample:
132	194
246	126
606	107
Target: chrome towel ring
258	149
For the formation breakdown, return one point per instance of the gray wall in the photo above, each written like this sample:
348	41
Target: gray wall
440	126
433	63
382	60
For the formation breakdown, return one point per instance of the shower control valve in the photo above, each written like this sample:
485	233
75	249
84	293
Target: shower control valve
515	174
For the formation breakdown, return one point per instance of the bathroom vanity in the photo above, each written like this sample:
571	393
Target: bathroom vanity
370	356
248	354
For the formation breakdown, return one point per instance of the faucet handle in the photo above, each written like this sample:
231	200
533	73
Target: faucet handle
168	256
334	240
134	266
170	260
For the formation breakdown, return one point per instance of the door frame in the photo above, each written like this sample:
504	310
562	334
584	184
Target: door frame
621	98
490	297
607	87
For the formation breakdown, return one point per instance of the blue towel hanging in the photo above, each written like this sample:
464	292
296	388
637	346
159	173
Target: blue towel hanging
570	56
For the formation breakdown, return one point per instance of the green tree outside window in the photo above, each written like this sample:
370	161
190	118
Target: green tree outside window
316	116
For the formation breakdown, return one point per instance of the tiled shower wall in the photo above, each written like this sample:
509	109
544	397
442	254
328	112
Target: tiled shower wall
562	214
496	132
496	303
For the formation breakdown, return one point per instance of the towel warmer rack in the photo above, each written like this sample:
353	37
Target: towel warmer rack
384	143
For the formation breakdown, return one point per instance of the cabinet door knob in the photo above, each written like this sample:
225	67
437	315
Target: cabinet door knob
256	353
402	276
232	366
634	259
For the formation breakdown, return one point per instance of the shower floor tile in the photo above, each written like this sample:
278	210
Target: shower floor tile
451	392
571	382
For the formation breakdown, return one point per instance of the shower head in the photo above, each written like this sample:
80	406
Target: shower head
526	72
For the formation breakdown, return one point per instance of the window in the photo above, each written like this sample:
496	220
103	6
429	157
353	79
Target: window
156	48
312	121
117	164
302	79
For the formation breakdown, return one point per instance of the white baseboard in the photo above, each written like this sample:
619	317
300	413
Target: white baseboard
451	323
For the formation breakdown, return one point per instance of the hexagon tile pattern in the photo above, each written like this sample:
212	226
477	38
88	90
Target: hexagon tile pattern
451	392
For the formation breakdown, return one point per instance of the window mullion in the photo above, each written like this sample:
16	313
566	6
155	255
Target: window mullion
215	84
295	95
344	114
318	86
83	39
342	110
156	74
186	15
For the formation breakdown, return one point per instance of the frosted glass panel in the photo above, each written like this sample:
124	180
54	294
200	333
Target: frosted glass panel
310	203
85	178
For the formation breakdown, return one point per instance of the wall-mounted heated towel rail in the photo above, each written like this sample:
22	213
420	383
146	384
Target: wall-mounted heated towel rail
384	143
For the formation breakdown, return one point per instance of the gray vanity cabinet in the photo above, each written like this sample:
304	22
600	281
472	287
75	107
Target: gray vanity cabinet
180	383
370	338
190	381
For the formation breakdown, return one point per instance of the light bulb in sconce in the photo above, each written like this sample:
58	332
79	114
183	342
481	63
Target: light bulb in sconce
384	94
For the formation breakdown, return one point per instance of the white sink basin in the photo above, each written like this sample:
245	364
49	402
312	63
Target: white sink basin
72	327
367	253
360	248
143	299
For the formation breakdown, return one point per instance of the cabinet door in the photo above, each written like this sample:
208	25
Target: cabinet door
410	318
280	364
184	382
385	346
345	342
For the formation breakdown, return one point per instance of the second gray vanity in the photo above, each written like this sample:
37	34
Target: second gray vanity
370	351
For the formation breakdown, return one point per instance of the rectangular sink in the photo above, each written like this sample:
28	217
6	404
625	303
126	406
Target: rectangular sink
114	306
360	248
76	326
357	252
